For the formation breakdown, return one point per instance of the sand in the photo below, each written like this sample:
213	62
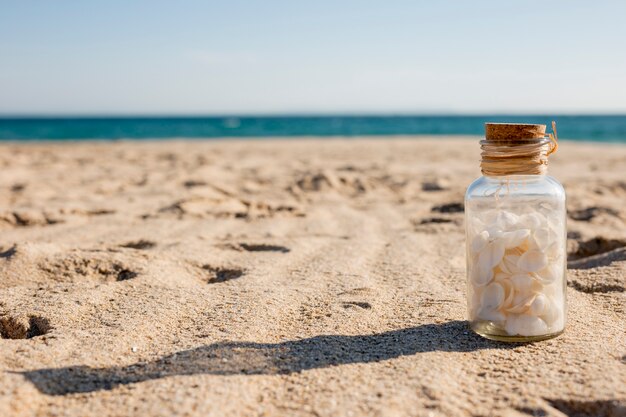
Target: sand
291	278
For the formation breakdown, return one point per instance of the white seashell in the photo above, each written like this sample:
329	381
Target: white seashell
552	313
521	303
509	264
492	297
549	274
507	220
503	267
480	241
532	261
556	296
494	231
547	206
481	276
556	227
531	326
491	255
557	325
539	305
489	216
531	221
554	250
524	325
476	225
490	315
501	276
515	238
510	327
542	238
523	283
509	293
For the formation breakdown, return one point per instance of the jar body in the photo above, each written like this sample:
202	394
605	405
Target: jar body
516	257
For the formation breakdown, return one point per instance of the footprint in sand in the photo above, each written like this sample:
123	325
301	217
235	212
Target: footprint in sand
194	183
141	244
595	253
27	218
357	291
595	246
218	274
12	327
227	207
435	185
449	208
359	304
254	247
431	220
590	213
437	224
355	298
75	267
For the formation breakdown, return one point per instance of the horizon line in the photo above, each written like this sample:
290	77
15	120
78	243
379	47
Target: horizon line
175	115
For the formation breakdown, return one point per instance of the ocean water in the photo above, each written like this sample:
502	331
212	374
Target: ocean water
596	128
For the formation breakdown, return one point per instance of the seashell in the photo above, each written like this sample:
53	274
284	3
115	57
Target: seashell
547	206
542	238
539	305
507	220
515	238
531	221
503	267
491	255
525	325
489	216
557	325
521	303
556	225
490	315
501	276
476	225
494	232
510	327
552	313
492	297
480	241
554	292
548	275
532	261
554	250
509	293
509	264
481	276
523	283
531	326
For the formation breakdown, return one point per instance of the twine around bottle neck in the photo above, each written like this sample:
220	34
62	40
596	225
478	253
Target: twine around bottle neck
517	157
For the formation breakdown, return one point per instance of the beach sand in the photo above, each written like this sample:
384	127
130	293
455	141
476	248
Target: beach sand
307	277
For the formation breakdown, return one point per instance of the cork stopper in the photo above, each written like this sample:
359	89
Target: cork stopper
513	131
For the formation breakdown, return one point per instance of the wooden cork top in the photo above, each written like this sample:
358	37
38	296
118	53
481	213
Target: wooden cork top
513	131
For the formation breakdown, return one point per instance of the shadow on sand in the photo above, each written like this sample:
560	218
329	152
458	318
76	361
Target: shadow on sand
230	358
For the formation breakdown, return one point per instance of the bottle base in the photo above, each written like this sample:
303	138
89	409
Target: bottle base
492	332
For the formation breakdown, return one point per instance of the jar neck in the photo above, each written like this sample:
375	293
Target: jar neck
508	158
516	176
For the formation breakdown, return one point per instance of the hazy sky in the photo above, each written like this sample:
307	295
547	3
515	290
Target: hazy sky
121	57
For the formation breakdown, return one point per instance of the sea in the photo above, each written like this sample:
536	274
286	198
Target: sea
590	128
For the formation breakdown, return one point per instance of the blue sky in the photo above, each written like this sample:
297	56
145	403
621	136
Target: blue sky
209	57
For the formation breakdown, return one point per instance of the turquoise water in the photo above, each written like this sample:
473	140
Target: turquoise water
608	128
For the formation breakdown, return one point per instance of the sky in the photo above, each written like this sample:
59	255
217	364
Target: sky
311	57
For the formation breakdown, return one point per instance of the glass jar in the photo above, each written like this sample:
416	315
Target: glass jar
516	256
